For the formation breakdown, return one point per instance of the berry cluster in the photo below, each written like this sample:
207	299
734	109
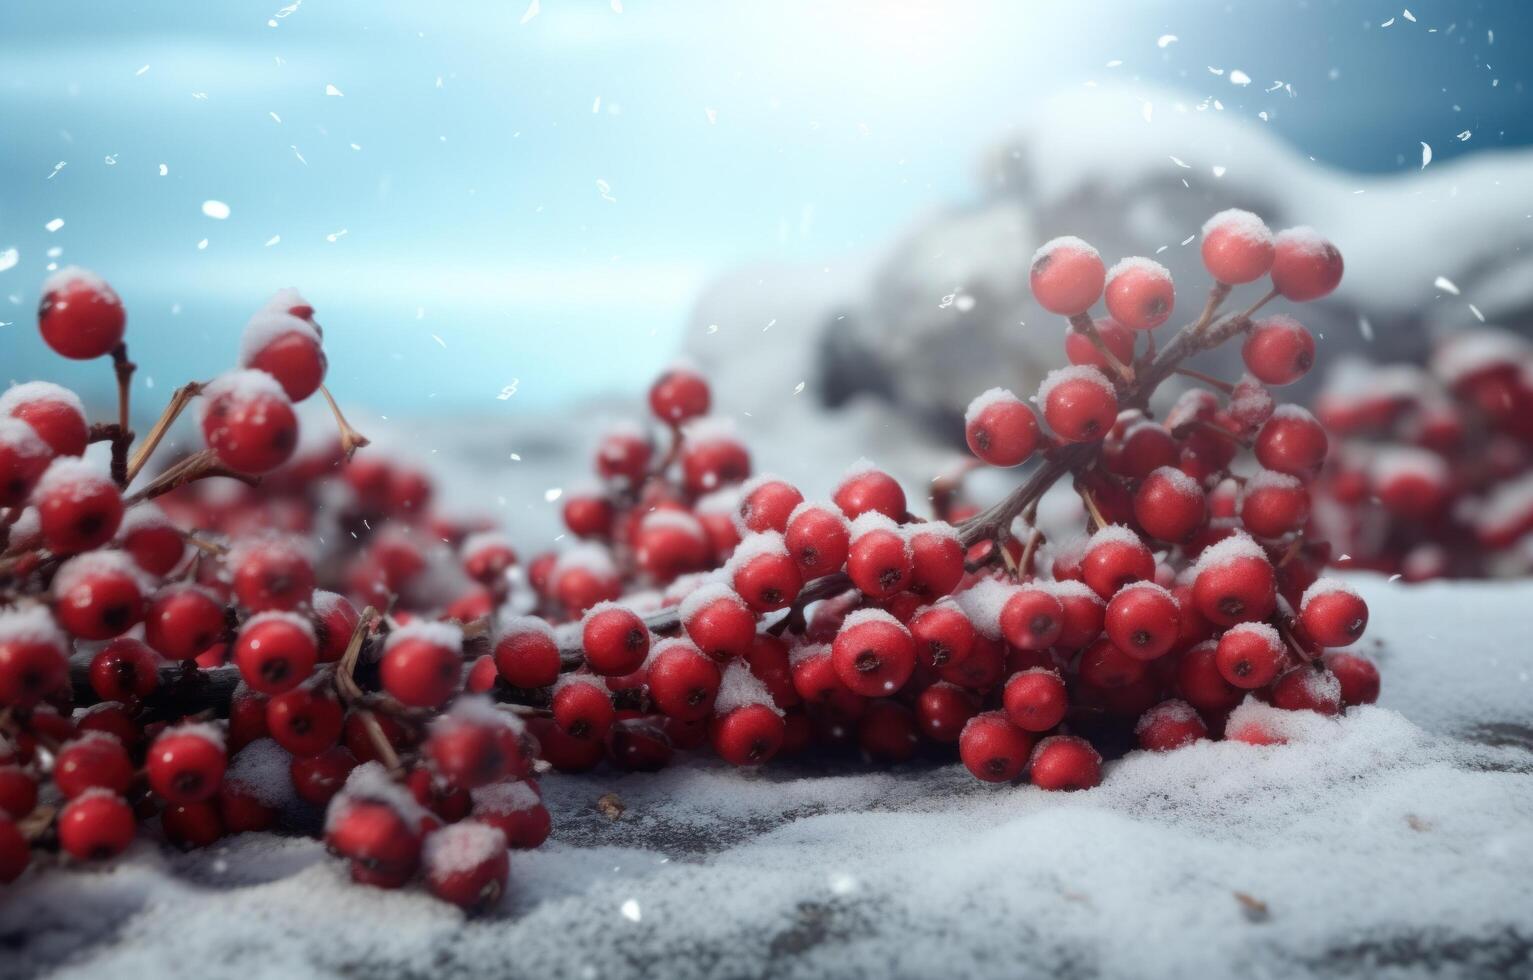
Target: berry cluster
701	606
1433	473
176	651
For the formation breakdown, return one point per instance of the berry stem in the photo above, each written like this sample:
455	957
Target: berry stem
198	466
1083	325
1207	379
1097	520
178	403
351	439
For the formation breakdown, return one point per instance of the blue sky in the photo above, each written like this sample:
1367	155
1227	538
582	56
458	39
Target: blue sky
482	193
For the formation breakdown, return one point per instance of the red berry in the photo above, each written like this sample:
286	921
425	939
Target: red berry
818	538
80	316
191	825
33	658
1200	682
1104	665
475	744
718	622
1251	404
423	664
516	810
1169	725
54	413
712	457
943	634
18	792
768	662
149	536
272	573
671	543
98	595
936	559
1000	428
182	621
887	732
766	503
23	458
679	395
275	651
1083	613
1332	614
1308	688
1170	505
763	573
623	455
873	653
994	749
1237	247
466	864
1079	403
1065	762
95	826
1143	620
78	506
526	654
248	421
1114	557
615	640
1067	276
1234	582
124	669
95	760
306	720
186	764
943	710
982	669
286	347
317	778
1250	655
1115	337
1305	266
335	619
380	836
1279	350
1032	619
682	681
1142	448
1035	700
582	707
1273	504
879	562
866	488
748	735
1140	294
487	556
1358	677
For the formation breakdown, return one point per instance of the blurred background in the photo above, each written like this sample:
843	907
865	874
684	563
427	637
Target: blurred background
507	211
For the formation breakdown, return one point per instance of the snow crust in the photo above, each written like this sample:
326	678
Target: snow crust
1240	224
1076	372
985	399
1139	263
445	635
29	392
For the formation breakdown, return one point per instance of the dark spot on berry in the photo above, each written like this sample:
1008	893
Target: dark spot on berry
89	524
866	662
1243	668
117	617
771	596
1041	624
1155	307
1355	628
635	639
1303	361
275	670
1141	638
759	748
982	438
697	696
940	654
187	781
580	729
300	725
1232	605
889	578
997	765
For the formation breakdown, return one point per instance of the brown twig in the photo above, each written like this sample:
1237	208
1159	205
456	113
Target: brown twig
351	439
1086	328
1207	379
178	403
198	466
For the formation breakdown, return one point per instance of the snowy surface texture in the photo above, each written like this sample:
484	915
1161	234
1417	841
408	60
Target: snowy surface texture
1403	846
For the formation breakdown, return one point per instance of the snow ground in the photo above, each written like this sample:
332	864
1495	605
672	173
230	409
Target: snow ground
1397	842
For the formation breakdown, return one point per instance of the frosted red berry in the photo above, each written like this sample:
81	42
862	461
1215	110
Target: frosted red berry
466	864
614	639
124	669
248	421
868	489
874	655
182	621
1117	338
95	826
33	662
1273	504
186	764
23	459
80	316
936	559
306	720
1169	725
1104	665
526	654
98	595
1032	619
1170	505
1308	688
1237	247
1078	403
1065	762
1305	266
272	573
1035	700
766	503
942	711
1234	583
879	561
994	749
763	573
93	761
1357	676
275	652
1114	557
1000	428
1067	276
1140	293
1332	614
423	666
679	395
718	622
1278	350
78	507
54	413
1250	655
1143	620
943	634
749	735
818	539
288	348
582	707
682	681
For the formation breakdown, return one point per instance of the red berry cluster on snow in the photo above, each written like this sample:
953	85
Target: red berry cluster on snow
1433	472
703	608
186	659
